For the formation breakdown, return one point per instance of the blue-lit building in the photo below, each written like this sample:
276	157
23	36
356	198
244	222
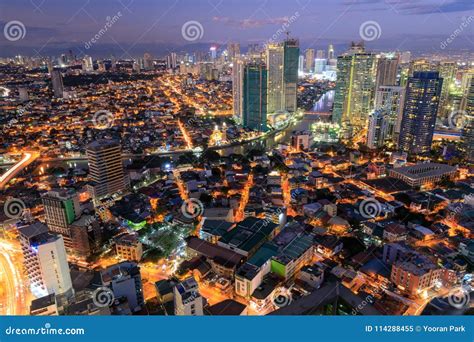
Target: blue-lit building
255	97
419	112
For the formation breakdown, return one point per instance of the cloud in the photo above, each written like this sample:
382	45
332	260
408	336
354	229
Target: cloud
250	23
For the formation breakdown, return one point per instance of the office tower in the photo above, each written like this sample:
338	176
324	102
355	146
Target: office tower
419	112
320	54
213	52
309	60
466	79
319	66
301	64
447	71
255	97
391	100
330	52
45	261
148	61
57	81
187	299
386	71
234	50
290	73
468	129
87	64
61	208
355	84
50	67
275	85
377	131
419	65
238	65
124	280
171	61
106	172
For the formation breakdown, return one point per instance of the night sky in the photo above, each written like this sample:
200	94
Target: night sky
156	25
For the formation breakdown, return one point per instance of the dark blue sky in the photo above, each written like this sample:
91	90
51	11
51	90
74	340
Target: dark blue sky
145	24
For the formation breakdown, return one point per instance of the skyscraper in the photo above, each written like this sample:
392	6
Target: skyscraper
61	208
468	129
391	100
57	81
330	51
45	261
377	131
386	71
106	171
320	54
355	85
238	65
309	60
419	112
255	97
234	50
447	71
275	86
290	73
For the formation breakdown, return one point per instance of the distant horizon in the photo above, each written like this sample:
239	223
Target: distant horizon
129	28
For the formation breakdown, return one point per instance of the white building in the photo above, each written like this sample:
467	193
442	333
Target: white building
45	261
187	299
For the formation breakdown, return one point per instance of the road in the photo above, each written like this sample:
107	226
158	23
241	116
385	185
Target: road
27	159
13	293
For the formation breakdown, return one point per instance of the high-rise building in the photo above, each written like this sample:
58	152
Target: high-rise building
447	71
187	299
377	131
45	261
57	81
301	64
124	280
391	100
319	66
87	64
238	65
106	171
468	129
275	85
330	51
171	60
309	60
353	101
290	73
255	97
387	66
147	61
233	50
419	112
61	208
320	54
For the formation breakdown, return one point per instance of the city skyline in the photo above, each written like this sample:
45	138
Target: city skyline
52	27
